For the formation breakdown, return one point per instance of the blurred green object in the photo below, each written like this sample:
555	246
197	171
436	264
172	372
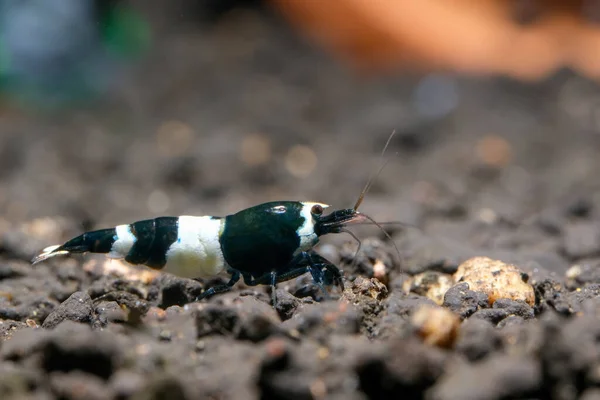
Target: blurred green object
57	53
125	33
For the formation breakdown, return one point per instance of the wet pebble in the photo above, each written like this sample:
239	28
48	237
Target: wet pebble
78	308
463	301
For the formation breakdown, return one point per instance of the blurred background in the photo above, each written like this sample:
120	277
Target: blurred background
115	111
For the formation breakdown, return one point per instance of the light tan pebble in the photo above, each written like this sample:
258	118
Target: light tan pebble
368	287
31	323
380	272
437	326
573	272
495	278
432	284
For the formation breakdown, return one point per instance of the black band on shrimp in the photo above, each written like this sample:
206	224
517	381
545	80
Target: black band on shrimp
165	234
143	242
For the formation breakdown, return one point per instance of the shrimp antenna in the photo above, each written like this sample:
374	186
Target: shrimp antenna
362	197
387	235
372	177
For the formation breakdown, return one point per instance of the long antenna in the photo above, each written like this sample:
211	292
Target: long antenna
387	235
372	177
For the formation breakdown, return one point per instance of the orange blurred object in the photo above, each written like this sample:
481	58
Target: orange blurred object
527	39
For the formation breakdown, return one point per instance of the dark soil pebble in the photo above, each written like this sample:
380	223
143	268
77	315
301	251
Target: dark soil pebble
173	139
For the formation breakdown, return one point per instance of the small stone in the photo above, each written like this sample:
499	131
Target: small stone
495	278
322	320
369	287
216	319
257	319
551	295
589	295
431	284
477	339
178	291
463	301
247	319
436	325
31	323
286	304
380	272
515	307
110	311
78	308
580	274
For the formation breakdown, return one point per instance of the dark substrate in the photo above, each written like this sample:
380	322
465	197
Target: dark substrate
528	194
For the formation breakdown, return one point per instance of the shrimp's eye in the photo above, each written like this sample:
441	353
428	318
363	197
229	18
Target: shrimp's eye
317	209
